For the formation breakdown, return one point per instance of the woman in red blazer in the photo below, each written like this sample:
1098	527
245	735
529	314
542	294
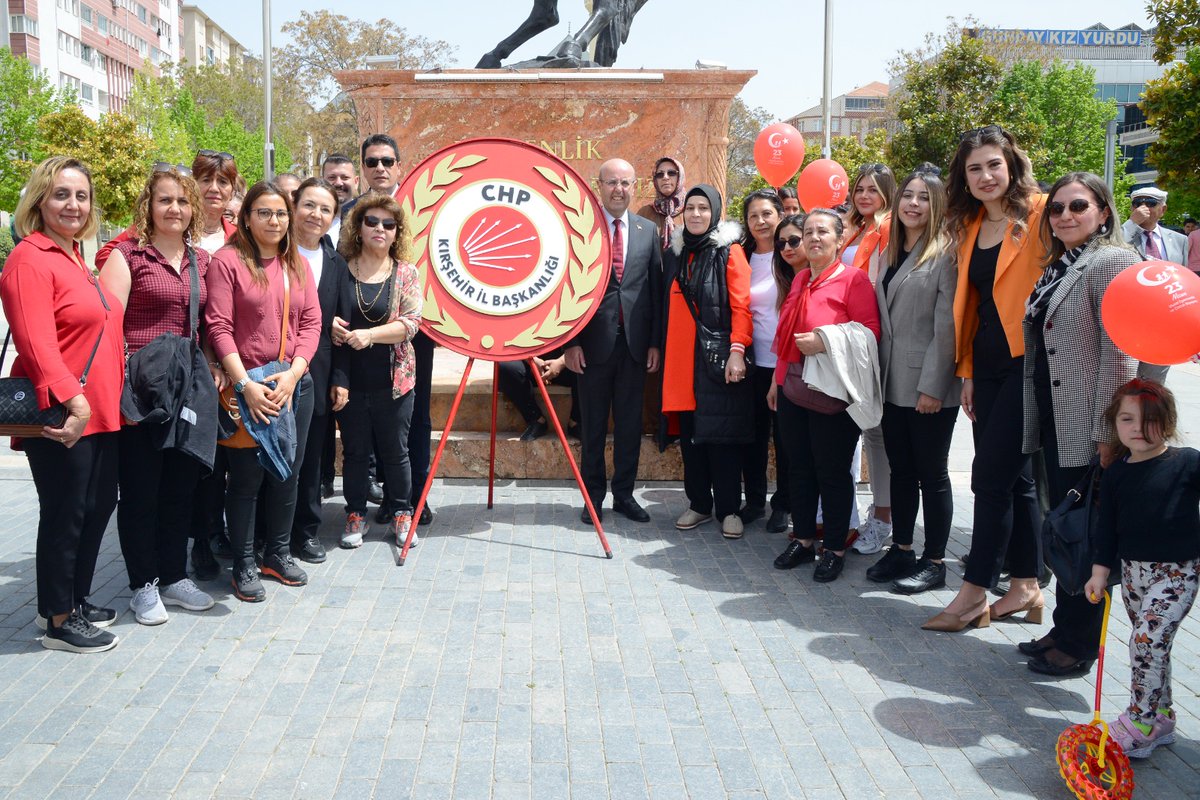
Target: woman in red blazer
993	215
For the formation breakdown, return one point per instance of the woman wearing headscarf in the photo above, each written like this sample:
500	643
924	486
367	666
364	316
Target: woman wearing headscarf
664	211
706	397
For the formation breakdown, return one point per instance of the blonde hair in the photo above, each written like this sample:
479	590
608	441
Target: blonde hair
28	217
936	240
143	218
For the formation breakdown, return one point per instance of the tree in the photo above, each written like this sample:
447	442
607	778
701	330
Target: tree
152	106
852	153
25	97
1170	106
745	124
1178	27
117	154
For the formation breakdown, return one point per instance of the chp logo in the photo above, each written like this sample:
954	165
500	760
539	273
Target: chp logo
511	247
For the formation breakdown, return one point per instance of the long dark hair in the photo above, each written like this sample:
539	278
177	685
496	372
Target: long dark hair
784	272
769	195
247	248
962	207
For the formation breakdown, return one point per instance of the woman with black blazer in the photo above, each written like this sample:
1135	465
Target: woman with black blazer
1072	370
920	390
316	206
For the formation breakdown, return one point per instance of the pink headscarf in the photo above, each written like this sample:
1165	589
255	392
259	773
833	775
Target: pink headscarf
670	207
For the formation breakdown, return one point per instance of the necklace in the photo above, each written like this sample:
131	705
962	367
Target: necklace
365	305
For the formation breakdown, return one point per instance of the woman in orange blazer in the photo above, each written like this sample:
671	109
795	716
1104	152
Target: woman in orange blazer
993	216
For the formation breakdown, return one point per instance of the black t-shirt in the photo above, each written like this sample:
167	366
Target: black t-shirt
1150	511
992	355
371	367
892	270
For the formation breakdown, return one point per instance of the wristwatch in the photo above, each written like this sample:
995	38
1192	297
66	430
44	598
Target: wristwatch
240	386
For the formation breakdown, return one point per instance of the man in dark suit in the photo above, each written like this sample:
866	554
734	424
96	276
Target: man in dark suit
616	349
1143	231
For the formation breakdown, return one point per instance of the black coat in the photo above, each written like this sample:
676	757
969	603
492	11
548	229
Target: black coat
330	365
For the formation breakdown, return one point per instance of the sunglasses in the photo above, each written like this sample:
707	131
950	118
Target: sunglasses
265	214
1148	202
793	242
387	161
371	221
878	169
163	166
986	130
666	173
1076	206
215	154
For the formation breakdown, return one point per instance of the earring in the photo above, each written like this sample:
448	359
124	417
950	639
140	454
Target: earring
1104	228
358	238
1053	235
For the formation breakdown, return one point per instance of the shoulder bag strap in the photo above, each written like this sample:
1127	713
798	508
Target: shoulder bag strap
194	297
87	367
287	306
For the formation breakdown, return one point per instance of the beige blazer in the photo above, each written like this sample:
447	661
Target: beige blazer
916	315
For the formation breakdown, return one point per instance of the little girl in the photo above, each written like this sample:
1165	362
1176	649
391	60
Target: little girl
1150	519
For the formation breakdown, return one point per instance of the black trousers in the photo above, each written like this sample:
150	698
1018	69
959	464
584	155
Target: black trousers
1006	505
154	513
208	510
374	420
307	519
710	474
420	429
77	492
615	385
756	454
918	447
247	478
820	448
518	385
1077	622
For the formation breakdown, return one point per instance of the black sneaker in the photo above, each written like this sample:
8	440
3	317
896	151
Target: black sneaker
749	514
795	555
928	575
100	617
77	635
246	584
284	569
896	563
309	550
829	568
375	493
778	523
204	566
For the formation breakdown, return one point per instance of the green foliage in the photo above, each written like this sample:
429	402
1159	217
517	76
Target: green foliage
745	124
1170	105
852	154
25	97
1178	26
151	104
6	244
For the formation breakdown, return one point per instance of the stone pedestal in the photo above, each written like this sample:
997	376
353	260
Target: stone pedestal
582	116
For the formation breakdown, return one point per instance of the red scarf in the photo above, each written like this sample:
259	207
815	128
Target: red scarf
791	315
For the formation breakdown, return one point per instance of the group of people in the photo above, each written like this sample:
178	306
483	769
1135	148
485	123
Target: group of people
823	332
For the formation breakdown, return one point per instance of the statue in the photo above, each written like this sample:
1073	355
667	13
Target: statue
608	25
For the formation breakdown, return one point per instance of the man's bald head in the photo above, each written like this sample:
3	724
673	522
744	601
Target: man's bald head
617	182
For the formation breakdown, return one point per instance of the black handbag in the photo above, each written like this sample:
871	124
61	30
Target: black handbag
1068	530
19	411
713	345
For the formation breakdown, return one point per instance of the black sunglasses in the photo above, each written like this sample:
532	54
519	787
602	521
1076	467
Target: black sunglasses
669	173
1148	202
793	242
387	161
372	221
215	154
1076	206
986	130
163	166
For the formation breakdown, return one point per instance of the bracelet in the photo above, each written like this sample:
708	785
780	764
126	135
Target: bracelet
370	337
214	364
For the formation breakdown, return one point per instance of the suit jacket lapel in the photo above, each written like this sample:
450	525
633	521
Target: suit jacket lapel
906	268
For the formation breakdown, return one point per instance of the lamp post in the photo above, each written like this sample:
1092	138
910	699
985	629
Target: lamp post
826	110
268	143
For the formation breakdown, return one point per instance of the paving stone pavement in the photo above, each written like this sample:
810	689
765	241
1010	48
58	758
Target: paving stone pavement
509	659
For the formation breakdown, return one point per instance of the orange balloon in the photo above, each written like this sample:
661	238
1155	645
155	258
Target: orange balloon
822	184
778	153
1151	311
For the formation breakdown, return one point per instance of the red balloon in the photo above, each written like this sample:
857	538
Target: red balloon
822	184
778	153
1151	311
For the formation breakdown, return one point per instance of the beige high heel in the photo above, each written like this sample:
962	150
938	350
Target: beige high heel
953	623
1033	610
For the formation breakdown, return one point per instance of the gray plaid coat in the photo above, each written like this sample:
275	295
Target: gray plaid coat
1086	368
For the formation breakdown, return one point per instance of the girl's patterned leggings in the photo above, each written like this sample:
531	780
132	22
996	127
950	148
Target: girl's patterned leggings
1158	595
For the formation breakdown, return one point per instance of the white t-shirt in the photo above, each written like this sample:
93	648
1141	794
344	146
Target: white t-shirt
316	260
335	230
763	293
213	242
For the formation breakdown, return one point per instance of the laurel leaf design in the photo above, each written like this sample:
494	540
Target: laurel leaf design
551	176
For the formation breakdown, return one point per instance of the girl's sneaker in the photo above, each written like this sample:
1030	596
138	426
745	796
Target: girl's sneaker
1137	744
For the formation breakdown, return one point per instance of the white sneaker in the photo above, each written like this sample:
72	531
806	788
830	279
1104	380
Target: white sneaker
147	606
186	595
871	536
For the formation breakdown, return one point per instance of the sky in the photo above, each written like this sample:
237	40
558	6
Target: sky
781	39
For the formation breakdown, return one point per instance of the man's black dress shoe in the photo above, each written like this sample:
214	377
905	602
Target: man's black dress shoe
1043	667
778	522
586	518
926	575
536	430
309	550
326	490
375	493
751	513
795	555
204	565
426	515
383	514
630	508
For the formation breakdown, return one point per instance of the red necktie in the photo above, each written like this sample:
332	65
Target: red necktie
1152	250
618	256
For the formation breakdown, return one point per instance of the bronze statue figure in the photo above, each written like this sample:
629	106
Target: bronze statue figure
608	25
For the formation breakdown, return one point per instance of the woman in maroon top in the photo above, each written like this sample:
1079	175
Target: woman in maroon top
152	276
819	443
59	314
247	281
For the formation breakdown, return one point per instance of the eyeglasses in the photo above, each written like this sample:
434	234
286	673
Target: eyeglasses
793	242
387	161
215	154
986	130
1076	206
666	173
371	221
878	169
163	166
613	183
266	214
1148	202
